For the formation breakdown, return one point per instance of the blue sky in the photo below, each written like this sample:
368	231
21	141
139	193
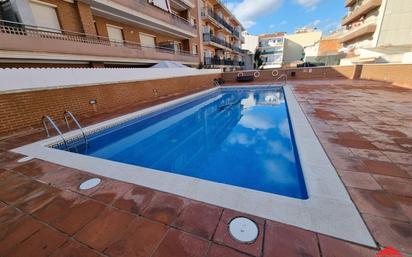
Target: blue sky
268	16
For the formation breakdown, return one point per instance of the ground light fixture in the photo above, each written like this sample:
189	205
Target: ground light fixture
243	230
89	184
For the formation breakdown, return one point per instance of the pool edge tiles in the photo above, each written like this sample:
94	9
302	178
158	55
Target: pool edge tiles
329	209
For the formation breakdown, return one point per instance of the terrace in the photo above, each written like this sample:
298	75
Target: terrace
362	122
38	41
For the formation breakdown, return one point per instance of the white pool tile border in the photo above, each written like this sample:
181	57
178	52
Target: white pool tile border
329	209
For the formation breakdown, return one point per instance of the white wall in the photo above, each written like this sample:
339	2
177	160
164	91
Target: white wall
396	27
42	78
251	42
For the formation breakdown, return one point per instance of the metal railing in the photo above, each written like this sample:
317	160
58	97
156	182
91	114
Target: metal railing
48	119
67	115
16	28
207	37
175	19
219	61
208	12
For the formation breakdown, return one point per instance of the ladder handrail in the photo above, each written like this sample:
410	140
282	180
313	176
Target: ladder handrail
69	114
216	82
283	76
50	120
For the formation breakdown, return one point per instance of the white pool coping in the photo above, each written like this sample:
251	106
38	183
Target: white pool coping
329	209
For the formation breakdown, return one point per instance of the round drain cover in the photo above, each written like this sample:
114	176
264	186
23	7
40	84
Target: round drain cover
243	230
25	159
88	184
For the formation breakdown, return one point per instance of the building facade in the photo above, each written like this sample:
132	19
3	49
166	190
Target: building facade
375	28
221	35
271	47
111	33
282	50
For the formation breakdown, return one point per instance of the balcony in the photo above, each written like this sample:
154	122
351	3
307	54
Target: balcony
210	61
143	14
209	13
358	32
349	3
45	43
220	43
361	11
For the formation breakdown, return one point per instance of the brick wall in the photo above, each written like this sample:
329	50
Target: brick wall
336	72
328	46
68	15
25	109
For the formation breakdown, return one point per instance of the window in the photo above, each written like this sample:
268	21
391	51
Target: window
147	40
115	34
194	49
45	15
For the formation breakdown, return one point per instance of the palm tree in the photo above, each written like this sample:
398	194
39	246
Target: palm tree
258	60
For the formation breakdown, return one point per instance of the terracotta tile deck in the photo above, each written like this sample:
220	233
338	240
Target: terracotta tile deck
364	126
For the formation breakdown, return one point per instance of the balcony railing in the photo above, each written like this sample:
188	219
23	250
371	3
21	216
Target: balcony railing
89	42
207	37
362	10
358	31
219	61
147	8
208	12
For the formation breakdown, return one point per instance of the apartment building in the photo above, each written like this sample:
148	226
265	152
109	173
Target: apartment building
283	50
377	30
222	36
99	33
271	47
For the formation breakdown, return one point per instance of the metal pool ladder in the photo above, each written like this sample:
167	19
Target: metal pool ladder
283	76
67	115
46	119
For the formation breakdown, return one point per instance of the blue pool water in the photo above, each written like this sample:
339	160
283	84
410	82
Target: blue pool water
240	137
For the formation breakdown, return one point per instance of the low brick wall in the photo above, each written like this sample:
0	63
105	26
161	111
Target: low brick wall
399	74
333	72
25	109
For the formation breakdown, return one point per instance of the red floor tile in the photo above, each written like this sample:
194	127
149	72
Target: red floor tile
377	203
40	244
181	244
105	229
110	191
164	208
35	168
15	231
385	168
222	235
8	213
216	250
391	233
37	199
73	248
135	200
199	219
402	158
359	180
141	239
406	205
331	247
394	185
78	216
285	240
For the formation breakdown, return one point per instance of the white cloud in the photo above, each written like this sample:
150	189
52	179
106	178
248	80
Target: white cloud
247	11
308	3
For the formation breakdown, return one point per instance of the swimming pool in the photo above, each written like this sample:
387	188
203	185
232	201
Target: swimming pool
311	196
240	137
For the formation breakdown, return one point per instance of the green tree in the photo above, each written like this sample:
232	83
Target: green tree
258	60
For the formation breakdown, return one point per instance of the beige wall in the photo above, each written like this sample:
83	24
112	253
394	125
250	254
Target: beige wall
396	27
